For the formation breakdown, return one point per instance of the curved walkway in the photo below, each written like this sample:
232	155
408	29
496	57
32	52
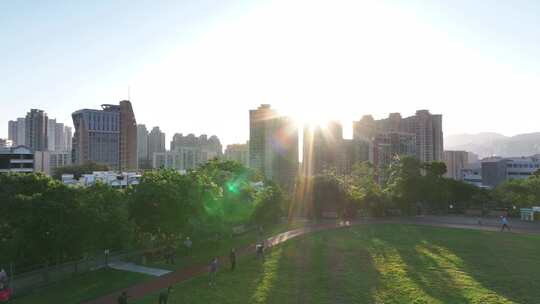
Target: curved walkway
138	291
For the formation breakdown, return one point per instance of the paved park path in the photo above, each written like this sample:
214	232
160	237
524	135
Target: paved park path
132	267
139	290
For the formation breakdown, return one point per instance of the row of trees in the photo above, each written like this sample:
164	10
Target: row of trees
408	186
44	221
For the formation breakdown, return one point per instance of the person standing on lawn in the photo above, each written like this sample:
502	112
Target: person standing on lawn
213	271
164	295
188	243
122	299
232	258
504	222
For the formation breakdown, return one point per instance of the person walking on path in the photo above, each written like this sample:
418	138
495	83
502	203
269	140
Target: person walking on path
3	278
259	249
122	299
213	272
232	258
188	243
504	222
164	295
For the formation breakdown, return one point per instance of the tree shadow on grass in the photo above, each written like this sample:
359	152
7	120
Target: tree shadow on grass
506	264
361	276
464	266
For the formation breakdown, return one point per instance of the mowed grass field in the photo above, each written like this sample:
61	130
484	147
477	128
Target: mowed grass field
383	263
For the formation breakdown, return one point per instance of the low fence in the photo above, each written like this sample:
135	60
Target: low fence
26	280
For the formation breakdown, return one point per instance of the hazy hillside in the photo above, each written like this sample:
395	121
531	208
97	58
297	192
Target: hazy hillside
486	144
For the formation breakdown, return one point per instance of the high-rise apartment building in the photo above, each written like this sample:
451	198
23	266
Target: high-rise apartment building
426	128
351	152
142	147
209	147
156	141
68	137
273	145
238	153
390	145
12	131
182	158
21	132
321	147
107	136
51	134
455	162
36	130
325	149
58	136
62	137
48	161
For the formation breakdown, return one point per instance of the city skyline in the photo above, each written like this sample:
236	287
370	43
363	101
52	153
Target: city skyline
199	64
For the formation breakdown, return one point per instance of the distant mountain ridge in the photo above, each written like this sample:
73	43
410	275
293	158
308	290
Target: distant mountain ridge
489	143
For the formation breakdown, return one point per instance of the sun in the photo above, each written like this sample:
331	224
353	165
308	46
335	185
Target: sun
311	119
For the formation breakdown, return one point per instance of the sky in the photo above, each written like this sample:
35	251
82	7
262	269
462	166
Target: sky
199	66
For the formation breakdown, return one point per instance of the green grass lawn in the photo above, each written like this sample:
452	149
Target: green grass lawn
381	264
94	284
83	287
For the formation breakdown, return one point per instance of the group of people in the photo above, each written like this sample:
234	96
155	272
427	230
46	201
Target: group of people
212	268
214	264
163	297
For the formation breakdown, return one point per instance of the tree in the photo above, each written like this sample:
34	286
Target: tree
41	220
106	214
364	190
166	203
269	205
435	169
329	194
518	192
404	185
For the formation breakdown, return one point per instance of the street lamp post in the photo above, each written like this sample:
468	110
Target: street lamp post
106	253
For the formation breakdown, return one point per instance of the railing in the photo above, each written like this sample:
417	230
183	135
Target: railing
23	281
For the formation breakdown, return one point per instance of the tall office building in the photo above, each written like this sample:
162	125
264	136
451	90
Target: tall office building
36	130
426	128
156	141
142	147
128	137
107	136
455	162
273	145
